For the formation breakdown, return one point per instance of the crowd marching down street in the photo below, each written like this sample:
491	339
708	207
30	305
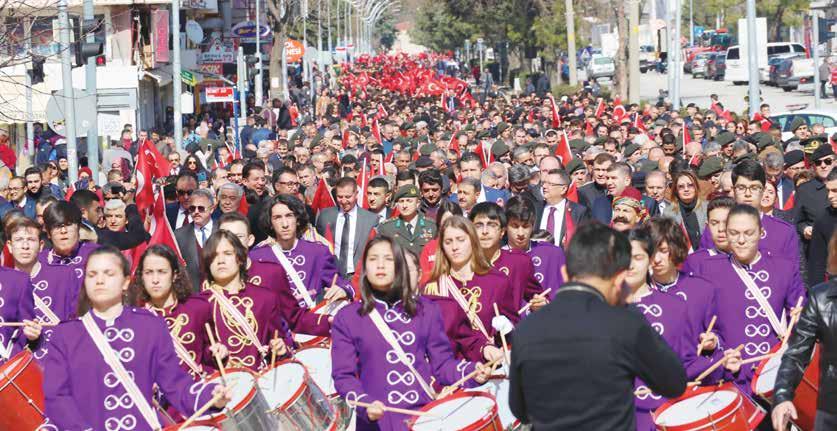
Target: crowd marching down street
418	250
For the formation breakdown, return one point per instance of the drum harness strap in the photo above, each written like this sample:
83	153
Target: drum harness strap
303	291
447	284
181	351
6	350
119	371
386	332
44	308
239	318
754	290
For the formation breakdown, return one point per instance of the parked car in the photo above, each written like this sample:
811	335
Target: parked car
600	66
769	75
828	118
647	58
699	64
715	70
790	72
710	64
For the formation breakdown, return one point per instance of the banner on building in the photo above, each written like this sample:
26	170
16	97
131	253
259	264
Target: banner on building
160	29
219	94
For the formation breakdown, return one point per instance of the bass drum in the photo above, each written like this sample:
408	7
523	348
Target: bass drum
462	411
295	400
21	393
805	397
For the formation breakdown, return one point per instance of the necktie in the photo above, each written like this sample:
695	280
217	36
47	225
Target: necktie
550	222
410	229
344	243
186	217
203	236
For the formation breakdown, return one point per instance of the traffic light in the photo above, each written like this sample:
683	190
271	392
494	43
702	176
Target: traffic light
37	72
85	50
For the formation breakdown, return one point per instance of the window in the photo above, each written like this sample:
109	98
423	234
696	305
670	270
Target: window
826	121
732	54
778	49
603	60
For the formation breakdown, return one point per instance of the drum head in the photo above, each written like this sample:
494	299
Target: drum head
242	383
282	383
765	380
456	412
696	408
317	361
499	387
14	365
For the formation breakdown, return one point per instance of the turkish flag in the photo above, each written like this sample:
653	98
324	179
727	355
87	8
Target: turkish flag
563	150
382	112
556	118
454	143
619	111
150	164
322	197
485	159
376	132
160	230
600	109
572	193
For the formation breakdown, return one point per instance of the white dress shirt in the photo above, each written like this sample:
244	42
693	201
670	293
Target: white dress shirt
338	237
206	228
182	213
559	219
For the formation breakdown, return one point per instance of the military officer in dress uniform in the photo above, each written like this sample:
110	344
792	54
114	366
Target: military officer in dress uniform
410	229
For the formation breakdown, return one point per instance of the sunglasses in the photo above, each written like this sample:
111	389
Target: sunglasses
197	208
823	162
184	192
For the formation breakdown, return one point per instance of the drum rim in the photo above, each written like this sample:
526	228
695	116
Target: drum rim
482	421
6	378
202	423
720	415
306	378
221	416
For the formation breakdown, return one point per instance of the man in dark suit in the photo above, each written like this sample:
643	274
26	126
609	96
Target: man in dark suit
812	197
192	236
588	193
349	225
777	169
377	196
601	348
178	212
559	216
618	179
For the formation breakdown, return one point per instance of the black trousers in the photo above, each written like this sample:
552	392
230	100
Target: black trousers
825	421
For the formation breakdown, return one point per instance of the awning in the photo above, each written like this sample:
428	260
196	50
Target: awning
162	75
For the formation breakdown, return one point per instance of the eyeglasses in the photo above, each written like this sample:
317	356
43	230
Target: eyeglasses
824	162
685	186
197	208
185	192
752	189
289	183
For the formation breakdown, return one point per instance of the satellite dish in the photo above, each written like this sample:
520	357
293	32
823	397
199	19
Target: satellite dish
194	31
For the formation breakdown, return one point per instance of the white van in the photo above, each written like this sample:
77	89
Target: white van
737	71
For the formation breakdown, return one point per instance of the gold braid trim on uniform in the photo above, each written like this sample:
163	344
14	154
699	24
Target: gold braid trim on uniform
472	294
238	340
432	288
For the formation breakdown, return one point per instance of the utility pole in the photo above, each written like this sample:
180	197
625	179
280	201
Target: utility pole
69	96
328	23
242	83
633	51
30	128
320	35
752	57
175	71
259	80
90	85
304	12
691	22
675	48
815	16
571	50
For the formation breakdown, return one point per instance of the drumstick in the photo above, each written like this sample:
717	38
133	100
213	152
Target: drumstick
715	366
163	412
217	358
758	358
15	324
200	411
502	337
708	330
390	409
325	310
447	390
273	356
525	308
793	322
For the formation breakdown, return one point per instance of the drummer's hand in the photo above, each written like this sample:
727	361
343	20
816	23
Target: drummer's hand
31	329
375	411
492	353
483	373
796	311
782	412
708	341
277	346
334	293
224	395
219	350
537	302
732	360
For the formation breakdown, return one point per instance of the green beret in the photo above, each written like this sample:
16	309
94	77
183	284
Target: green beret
407	125
499	148
578	144
426	149
709	167
600	140
762	140
724	138
482	134
630	149
797	123
502	127
743	157
648	166
406	191
575	164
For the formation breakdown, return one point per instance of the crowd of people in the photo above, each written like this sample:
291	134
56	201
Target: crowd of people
455	231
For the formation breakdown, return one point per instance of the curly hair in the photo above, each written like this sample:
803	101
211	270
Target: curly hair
180	284
294	204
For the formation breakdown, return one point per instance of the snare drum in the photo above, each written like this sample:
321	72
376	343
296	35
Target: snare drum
21	393
295	400
317	360
247	410
325	309
708	408
805	398
464	410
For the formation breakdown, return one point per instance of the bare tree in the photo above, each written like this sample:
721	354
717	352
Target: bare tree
620	86
280	18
